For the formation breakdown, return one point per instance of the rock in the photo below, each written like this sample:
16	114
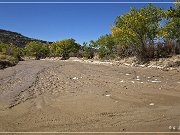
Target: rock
151	104
75	78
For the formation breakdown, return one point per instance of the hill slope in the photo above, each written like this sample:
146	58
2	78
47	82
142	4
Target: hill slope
15	38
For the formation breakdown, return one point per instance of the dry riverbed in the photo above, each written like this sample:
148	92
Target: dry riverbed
77	96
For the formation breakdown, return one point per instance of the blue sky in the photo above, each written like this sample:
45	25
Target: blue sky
52	22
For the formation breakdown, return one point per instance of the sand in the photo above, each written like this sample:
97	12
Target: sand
76	96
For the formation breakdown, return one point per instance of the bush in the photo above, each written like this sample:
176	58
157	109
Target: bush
87	51
105	46
65	48
37	50
7	61
11	50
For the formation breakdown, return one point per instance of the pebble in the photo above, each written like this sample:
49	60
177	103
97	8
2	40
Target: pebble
75	78
155	81
170	127
151	104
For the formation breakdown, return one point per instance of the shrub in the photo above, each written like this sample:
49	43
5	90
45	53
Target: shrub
87	51
64	48
7	61
37	50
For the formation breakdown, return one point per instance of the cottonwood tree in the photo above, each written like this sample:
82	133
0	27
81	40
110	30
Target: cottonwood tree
138	28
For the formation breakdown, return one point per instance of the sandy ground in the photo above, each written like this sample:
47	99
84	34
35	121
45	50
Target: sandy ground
72	96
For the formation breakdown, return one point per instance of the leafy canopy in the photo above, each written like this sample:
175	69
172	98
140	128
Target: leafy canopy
138	27
37	49
64	47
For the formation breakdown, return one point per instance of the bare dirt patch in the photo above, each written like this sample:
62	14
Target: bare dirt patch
53	95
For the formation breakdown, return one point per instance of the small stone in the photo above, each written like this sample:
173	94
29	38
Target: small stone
75	78
151	104
156	81
170	127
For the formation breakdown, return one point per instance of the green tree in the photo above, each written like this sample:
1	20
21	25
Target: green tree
104	44
171	30
138	28
106	41
93	44
37	49
65	47
11	50
9	55
172	27
86	51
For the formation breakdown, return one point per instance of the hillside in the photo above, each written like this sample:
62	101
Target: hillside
15	38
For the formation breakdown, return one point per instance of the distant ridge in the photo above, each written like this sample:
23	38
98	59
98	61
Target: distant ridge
16	39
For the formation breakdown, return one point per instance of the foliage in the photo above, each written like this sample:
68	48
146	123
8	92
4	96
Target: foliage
105	45
172	27
64	48
37	49
86	51
138	28
7	61
11	50
106	41
9	55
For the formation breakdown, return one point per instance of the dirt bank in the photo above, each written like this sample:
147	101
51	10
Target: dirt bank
52	95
